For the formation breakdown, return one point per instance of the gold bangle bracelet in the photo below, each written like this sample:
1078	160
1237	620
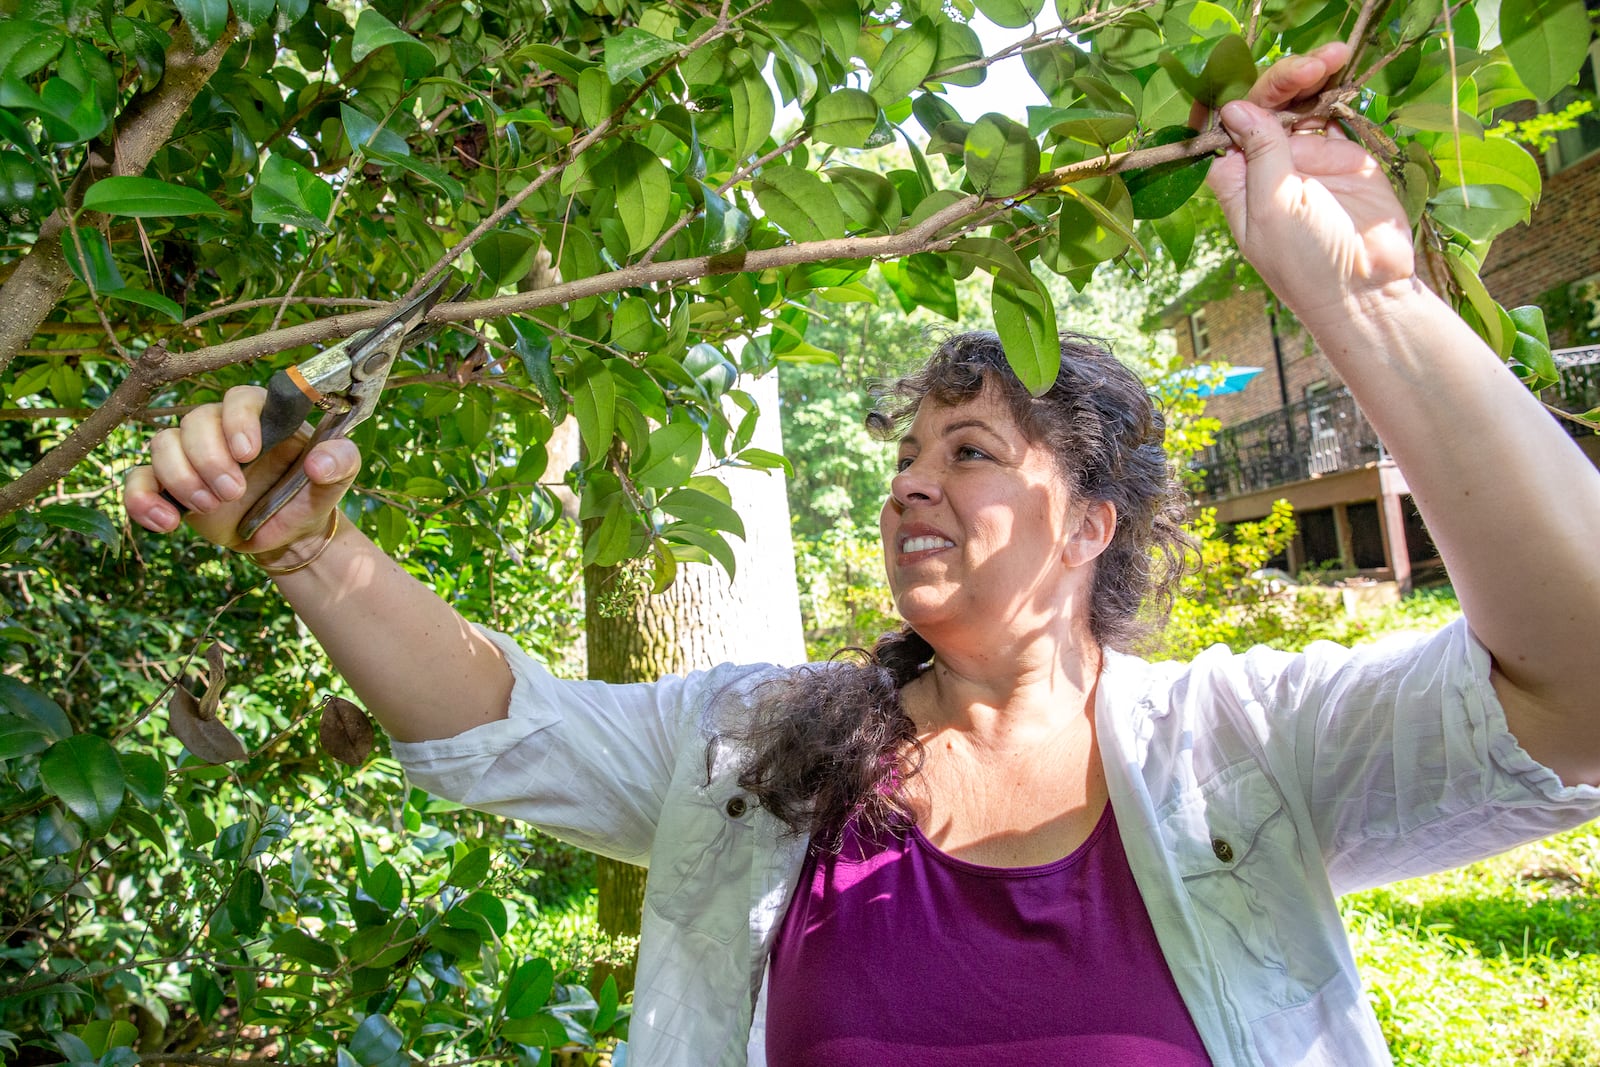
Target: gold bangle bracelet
278	572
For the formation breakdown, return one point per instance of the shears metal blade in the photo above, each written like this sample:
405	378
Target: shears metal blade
344	381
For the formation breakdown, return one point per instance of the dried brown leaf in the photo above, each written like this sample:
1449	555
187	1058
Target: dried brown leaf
216	683
208	739
345	731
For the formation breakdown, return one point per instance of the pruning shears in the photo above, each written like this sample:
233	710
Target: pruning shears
344	381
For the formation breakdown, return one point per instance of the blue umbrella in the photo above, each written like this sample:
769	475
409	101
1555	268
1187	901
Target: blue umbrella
1233	380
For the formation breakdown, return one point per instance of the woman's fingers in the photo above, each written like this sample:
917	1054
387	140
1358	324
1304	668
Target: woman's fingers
241	420
1296	77
141	495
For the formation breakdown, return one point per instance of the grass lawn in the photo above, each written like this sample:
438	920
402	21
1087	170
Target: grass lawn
1494	963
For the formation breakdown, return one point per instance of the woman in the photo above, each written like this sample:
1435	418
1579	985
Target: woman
1009	838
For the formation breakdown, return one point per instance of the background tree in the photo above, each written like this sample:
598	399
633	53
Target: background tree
193	186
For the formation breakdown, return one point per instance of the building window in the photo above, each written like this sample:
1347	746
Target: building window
1198	335
1583	140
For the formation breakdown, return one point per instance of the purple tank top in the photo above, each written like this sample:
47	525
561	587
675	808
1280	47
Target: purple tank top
894	954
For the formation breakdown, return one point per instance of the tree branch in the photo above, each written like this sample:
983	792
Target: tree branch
935	233
42	277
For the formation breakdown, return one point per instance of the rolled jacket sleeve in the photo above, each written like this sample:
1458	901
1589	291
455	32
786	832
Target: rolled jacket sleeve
1402	753
587	762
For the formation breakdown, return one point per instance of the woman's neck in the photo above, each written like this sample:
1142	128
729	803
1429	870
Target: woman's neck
999	699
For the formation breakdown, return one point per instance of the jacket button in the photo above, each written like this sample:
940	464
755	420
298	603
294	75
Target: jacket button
735	807
1223	850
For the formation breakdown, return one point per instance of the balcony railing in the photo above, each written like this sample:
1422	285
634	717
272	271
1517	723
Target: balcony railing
1323	434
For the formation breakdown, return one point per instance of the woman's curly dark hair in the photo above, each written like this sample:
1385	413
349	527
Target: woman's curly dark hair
832	742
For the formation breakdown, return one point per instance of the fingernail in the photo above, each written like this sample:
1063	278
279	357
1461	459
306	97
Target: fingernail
228	487
241	446
319	466
162	515
202	501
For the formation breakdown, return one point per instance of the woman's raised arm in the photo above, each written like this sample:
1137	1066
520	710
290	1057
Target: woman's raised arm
1512	503
416	663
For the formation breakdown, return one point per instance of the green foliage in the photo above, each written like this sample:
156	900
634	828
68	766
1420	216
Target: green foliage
322	155
1493	963
157	903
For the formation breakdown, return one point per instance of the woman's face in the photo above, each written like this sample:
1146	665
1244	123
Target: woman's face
977	525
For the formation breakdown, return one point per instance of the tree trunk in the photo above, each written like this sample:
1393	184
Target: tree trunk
703	620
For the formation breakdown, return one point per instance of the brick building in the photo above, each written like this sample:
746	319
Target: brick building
1295	433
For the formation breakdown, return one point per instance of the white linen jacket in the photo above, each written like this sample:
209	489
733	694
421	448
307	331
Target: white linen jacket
1250	791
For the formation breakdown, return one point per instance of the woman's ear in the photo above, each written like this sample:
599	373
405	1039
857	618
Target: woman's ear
1096	525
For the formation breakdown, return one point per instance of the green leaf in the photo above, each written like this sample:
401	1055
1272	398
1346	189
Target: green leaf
145	777
1160	190
1479	212
1101	126
905	62
753	110
1177	232
469	871
1488	161
1547	42
594	398
644	193
145	298
1531	348
869	201
845	117
204	993
958	45
608	544
800	203
382	883
373	32
206	18
703	510
529	988
290	195
1026	322
705	545
1012	14
366	134
710	369
725	227
100	270
1001	156
1095	223
299	945
83	772
245	910
253	14
533	349
377	1042
504	257
632	49
54	834
28	46
92	522
1213	72
670	456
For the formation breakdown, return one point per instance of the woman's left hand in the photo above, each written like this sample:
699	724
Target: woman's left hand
1310	209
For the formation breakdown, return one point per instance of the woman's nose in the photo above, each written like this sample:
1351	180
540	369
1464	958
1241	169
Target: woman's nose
915	483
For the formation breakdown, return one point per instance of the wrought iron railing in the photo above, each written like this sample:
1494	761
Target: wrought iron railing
1323	434
1327	433
1579	387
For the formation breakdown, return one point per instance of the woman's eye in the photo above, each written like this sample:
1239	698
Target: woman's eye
968	452
902	464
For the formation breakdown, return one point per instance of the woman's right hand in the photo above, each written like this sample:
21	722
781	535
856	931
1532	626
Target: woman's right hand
201	464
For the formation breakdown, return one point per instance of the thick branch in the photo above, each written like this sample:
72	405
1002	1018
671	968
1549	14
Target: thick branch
42	277
127	398
935	233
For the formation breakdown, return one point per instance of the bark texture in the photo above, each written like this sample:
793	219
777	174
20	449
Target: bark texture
703	620
42	277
